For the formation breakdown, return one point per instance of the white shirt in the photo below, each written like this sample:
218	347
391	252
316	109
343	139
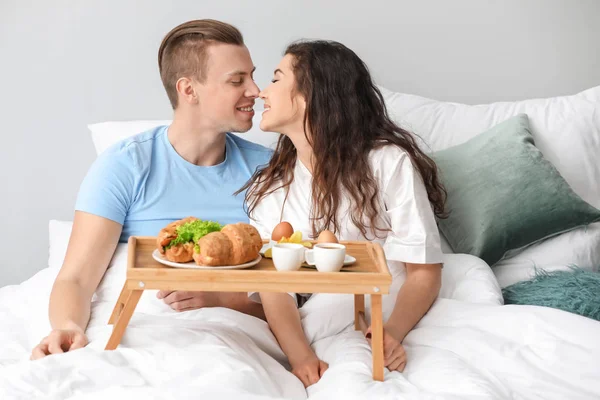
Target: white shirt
404	209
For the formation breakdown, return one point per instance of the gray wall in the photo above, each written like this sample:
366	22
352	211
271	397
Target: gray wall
64	64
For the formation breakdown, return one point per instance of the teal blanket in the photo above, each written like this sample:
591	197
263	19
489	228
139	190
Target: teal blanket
574	290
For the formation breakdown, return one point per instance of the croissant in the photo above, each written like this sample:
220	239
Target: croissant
235	244
180	253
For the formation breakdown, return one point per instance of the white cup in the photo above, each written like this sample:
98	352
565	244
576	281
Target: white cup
327	257
288	256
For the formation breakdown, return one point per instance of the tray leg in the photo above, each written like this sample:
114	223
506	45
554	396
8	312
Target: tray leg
123	319
377	336
359	311
120	304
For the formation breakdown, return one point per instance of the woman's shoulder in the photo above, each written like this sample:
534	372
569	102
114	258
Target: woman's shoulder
388	156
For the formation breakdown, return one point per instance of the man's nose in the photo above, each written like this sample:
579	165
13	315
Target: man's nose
253	90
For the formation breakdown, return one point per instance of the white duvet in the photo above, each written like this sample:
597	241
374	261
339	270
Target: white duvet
467	347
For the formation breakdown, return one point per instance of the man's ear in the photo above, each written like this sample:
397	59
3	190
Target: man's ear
186	91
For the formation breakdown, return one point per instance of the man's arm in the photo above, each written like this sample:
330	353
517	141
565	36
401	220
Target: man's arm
180	300
91	246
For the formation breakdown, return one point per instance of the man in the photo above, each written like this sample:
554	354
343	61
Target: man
143	183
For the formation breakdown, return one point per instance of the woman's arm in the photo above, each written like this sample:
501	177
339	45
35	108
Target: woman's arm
284	320
414	239
414	299
417	294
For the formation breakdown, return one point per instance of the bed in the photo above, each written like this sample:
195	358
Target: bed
468	346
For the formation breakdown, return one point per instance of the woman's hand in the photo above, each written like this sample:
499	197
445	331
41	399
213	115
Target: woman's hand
394	355
309	369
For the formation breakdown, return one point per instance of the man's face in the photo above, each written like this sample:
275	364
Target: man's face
226	97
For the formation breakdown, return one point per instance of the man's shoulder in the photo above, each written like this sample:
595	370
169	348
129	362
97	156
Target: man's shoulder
134	149
254	150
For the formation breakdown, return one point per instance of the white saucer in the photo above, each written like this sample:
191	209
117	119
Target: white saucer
349	260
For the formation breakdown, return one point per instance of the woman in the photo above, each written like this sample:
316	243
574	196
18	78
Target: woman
342	164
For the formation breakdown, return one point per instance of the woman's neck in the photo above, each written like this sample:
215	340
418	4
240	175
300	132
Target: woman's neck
304	150
306	158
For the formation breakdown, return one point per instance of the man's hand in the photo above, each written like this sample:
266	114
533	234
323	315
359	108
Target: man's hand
309	370
59	341
180	300
394	355
183	301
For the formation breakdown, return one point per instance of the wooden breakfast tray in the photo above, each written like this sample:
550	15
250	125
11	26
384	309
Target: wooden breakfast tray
368	275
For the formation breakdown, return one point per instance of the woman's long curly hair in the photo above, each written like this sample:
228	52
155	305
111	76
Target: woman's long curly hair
345	120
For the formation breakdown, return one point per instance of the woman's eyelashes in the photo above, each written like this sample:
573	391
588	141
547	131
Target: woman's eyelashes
274	80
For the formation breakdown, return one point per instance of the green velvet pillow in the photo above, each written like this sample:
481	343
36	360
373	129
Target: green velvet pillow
504	195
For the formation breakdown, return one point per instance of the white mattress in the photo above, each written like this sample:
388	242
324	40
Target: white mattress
467	346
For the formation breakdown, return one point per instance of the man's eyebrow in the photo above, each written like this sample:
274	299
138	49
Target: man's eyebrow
239	72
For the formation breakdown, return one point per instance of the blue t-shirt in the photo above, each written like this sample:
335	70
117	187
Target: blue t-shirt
144	184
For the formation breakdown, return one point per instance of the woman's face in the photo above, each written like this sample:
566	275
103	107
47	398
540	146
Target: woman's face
284	106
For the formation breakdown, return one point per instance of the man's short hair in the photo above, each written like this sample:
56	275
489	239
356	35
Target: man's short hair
182	52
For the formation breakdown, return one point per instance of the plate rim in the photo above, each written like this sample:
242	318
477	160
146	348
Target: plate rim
192	265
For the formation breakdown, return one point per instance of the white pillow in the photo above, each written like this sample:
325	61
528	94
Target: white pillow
59	234
567	131
105	134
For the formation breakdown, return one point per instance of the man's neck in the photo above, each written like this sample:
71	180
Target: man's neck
196	143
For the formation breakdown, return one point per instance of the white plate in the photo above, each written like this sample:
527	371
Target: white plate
265	247
192	265
349	260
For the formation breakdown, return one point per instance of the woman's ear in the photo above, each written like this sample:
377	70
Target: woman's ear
301	103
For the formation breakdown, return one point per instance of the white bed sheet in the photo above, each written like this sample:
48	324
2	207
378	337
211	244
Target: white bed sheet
462	349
